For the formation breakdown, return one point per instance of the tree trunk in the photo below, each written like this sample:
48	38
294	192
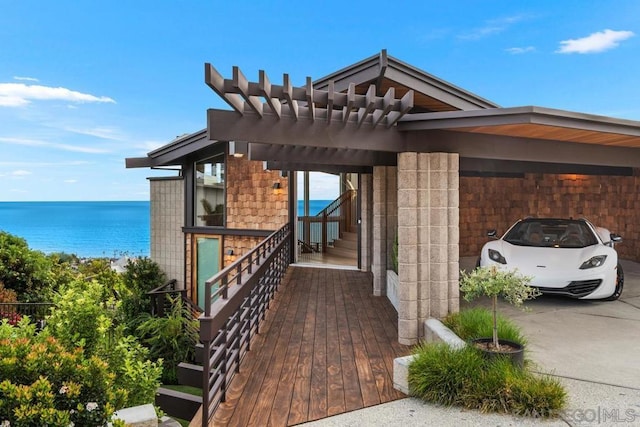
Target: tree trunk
496	344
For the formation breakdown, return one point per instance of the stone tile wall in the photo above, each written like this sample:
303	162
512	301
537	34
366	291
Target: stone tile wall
428	237
167	219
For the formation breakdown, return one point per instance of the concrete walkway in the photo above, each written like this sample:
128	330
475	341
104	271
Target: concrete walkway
593	347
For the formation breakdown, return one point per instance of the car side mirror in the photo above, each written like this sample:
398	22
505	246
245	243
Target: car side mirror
615	238
492	234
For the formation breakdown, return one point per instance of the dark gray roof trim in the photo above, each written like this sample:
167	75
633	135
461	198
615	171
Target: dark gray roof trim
518	115
381	66
172	153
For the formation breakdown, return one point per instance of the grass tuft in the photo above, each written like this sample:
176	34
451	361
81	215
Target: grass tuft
463	377
477	322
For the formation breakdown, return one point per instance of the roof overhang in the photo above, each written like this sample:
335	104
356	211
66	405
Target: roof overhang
353	120
531	123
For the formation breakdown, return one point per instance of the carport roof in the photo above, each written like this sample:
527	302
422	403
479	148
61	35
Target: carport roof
533	123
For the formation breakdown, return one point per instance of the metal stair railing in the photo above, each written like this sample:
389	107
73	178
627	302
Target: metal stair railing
236	301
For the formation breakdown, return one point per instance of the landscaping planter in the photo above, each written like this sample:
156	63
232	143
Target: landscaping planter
510	349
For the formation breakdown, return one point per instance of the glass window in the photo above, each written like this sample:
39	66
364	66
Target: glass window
209	201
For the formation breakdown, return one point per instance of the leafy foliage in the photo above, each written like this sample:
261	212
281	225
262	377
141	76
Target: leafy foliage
134	372
463	377
82	318
473	323
494	282
171	338
23	270
46	384
141	276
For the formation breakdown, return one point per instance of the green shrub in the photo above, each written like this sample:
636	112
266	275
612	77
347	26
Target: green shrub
45	384
463	377
134	372
82	318
23	270
171	338
141	276
477	322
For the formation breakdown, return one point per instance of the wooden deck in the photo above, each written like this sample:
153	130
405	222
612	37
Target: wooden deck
327	347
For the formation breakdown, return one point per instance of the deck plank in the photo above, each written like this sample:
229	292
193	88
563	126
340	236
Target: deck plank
326	347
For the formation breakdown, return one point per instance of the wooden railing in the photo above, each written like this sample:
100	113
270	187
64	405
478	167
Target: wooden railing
317	232
236	300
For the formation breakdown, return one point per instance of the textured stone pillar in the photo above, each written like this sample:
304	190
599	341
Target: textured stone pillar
408	247
366	226
167	220
379	255
428	239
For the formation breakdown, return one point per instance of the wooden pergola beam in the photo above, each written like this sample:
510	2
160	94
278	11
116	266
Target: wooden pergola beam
287	91
264	85
215	81
242	85
245	96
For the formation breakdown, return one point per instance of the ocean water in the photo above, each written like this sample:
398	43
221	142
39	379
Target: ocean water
315	206
89	229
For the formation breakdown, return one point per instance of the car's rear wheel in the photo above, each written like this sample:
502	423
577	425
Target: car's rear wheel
619	284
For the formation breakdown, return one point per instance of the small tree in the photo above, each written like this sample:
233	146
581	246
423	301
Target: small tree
493	282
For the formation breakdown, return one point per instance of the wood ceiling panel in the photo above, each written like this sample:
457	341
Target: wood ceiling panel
537	131
420	100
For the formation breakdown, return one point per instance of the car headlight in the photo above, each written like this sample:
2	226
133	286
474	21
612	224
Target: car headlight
593	262
496	256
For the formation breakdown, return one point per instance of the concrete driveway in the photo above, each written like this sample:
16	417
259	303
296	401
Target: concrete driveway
597	341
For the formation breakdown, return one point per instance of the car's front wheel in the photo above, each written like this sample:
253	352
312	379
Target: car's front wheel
619	284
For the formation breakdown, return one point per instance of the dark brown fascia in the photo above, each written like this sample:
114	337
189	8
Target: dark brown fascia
499	147
377	67
452	120
320	156
313	167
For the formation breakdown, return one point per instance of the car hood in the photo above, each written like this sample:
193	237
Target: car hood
529	260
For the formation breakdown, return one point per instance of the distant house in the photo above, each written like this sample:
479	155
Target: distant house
432	165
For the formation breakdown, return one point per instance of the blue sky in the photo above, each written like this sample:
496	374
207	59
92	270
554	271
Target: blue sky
84	84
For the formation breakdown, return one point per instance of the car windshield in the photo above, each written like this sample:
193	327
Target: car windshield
557	233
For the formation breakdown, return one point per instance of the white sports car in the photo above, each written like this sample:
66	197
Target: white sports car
563	256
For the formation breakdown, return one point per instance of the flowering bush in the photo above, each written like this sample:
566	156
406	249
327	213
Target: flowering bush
12	318
48	385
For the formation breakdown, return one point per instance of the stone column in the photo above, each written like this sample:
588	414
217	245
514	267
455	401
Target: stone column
379	255
428	240
366	226
167	220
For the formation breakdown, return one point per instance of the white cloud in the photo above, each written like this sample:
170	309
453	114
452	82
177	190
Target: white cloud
20	172
46	164
27	79
98	132
491	27
594	43
64	147
520	50
70	181
20	94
